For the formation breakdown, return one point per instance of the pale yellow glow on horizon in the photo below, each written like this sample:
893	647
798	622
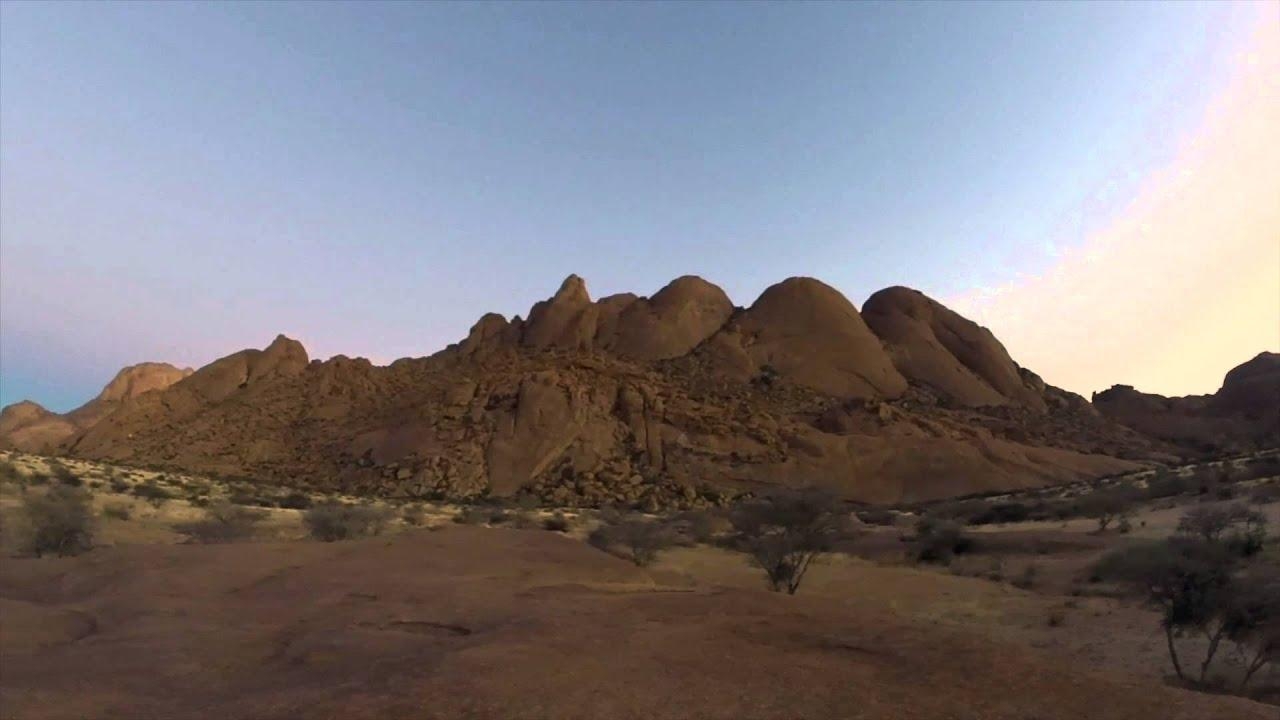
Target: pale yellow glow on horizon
1184	283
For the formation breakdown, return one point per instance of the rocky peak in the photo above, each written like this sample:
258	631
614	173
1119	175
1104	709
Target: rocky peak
932	345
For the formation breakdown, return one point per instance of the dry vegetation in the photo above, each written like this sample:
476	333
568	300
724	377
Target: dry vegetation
1090	573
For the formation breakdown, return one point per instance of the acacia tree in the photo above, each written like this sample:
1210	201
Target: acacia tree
1188	579
784	534
1241	529
1251	620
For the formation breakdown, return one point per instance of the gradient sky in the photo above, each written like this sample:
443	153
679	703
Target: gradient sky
180	181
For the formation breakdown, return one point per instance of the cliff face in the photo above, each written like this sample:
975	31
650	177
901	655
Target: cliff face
1244	414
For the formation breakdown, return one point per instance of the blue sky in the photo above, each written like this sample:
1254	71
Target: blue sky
181	181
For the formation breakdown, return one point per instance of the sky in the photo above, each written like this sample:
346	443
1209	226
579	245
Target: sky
1095	182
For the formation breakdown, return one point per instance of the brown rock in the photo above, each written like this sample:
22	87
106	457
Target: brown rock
932	345
810	335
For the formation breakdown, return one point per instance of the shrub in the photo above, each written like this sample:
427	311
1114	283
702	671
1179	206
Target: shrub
937	541
295	501
1170	483
64	474
119	486
699	526
640	540
481	515
1107	507
59	522
878	516
222	522
152	493
1238	527
1000	513
9	472
332	521
117	510
1186	578
252	499
413	515
556	523
1027	579
784	534
1251	620
38	478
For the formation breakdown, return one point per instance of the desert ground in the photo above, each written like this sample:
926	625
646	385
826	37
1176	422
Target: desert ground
452	614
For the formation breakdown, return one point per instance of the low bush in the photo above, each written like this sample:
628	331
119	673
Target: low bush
1170	483
332	521
556	523
117	510
58	522
1242	530
482	515
295	501
64	474
152	492
251	499
222	523
640	541
413	515
9	472
119	486
1108	506
878	516
937	541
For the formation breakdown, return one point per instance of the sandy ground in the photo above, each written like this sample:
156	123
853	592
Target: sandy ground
472	622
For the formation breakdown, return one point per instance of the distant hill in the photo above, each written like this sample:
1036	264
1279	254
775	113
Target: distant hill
675	399
28	426
1244	414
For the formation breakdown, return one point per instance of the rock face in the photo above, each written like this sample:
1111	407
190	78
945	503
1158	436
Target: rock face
1243	415
679	399
29	427
807	333
933	346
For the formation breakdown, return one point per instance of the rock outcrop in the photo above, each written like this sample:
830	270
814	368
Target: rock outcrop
28	427
806	332
1243	415
679	399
